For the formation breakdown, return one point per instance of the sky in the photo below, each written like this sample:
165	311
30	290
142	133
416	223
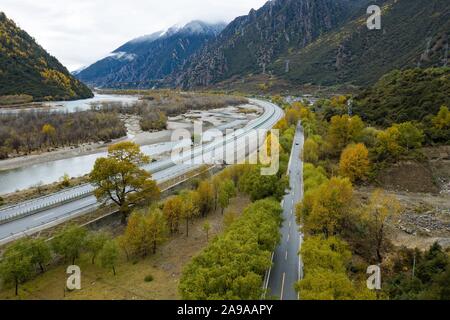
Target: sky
80	32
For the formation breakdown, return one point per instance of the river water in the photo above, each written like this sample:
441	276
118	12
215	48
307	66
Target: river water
76	105
49	172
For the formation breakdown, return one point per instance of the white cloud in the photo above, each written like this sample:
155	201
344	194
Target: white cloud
79	32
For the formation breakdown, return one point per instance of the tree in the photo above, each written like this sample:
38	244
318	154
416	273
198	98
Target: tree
227	191
206	197
134	238
207	229
95	242
259	187
325	210
156	228
324	284
292	116
16	266
40	252
313	177
344	130
144	233
388	146
190	207
354	163
326	261
233	265
328	253
173	212
311	151
120	179
410	137
49	132
229	218
442	120
109	255
69	242
380	209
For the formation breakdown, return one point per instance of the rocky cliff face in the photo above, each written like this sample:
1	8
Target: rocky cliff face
251	43
142	62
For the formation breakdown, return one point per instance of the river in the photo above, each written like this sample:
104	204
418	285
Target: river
76	105
49	172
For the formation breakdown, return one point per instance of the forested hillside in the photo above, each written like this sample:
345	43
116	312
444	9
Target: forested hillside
400	96
27	69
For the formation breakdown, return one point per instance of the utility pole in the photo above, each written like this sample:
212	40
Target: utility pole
287	66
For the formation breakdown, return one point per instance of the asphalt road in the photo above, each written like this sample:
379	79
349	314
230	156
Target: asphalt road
287	266
59	207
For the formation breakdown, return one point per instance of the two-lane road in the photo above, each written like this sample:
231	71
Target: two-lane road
287	266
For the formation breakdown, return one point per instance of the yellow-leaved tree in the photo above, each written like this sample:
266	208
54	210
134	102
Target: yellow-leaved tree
325	210
355	163
120	179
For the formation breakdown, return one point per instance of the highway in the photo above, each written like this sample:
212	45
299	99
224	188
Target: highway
38	214
287	266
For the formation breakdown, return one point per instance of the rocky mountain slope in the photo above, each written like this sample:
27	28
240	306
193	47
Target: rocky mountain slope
27	69
322	42
141	62
251	43
413	33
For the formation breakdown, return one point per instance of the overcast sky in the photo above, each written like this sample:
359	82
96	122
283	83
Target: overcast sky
79	32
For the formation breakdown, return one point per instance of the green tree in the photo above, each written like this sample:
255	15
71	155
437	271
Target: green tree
109	255
410	137
259	187
120	179
16	266
388	145
311	151
95	242
227	191
442	120
40	252
70	242
207	229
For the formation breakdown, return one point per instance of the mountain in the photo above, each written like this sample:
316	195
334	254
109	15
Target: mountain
321	42
406	95
413	33
251	43
27	69
142	62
